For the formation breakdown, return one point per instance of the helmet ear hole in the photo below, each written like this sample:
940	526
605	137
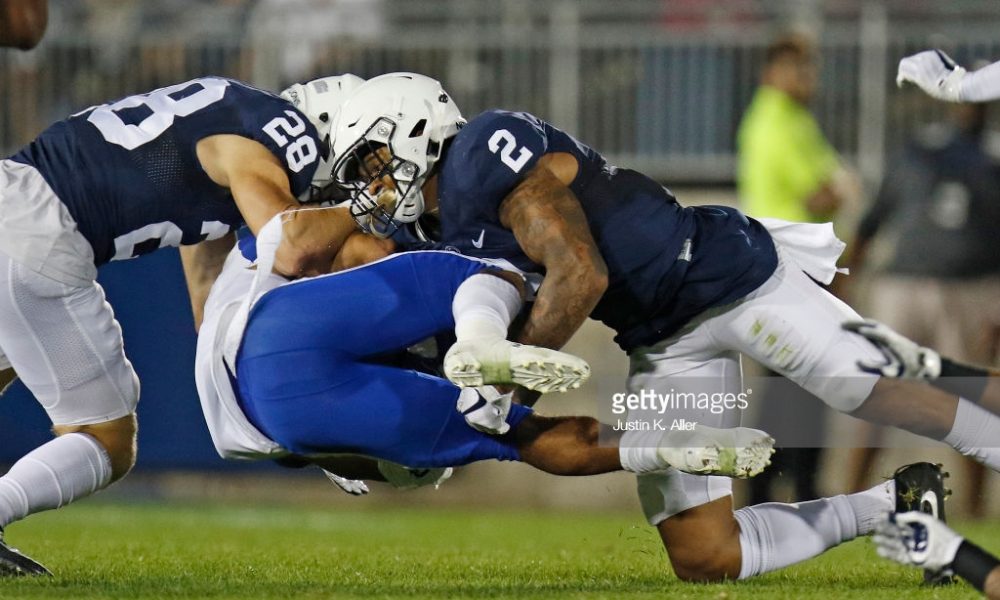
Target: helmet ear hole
325	117
418	128
326	147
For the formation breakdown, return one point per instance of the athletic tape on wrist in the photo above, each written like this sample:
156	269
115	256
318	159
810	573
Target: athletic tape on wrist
966	381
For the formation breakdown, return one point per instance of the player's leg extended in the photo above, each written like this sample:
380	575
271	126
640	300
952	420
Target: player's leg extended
484	306
396	302
315	403
793	326
711	542
376	308
66	346
404	417
704	538
693	513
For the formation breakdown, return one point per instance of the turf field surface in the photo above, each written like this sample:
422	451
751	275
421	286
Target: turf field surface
102	550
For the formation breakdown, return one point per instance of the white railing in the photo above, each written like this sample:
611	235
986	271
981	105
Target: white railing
652	86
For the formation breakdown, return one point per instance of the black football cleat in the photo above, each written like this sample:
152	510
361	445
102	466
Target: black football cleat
920	486
15	564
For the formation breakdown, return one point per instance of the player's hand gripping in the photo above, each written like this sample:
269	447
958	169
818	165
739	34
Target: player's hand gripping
485	409
934	72
917	539
904	358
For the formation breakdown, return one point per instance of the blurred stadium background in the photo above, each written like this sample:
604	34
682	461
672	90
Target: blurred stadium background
657	85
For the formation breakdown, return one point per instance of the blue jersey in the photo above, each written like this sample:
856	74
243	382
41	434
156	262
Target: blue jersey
666	263
129	174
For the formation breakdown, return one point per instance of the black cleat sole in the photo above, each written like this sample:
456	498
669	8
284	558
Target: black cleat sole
920	487
15	564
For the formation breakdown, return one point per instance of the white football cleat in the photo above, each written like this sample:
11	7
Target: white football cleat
502	362
739	452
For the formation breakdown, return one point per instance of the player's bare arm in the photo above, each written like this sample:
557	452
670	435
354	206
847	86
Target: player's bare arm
202	264
993	585
312	236
23	22
360	249
551	228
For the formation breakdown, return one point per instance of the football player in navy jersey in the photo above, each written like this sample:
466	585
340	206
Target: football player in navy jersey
179	165
687	289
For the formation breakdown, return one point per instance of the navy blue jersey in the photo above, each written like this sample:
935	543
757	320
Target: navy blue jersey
666	263
129	174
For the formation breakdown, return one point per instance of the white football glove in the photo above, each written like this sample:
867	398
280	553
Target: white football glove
904	358
354	487
934	72
405	478
917	539
485	409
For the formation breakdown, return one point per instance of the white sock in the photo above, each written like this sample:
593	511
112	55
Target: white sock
871	506
976	434
637	451
63	470
774	536
484	306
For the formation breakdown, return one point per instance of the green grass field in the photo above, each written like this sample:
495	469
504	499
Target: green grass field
102	550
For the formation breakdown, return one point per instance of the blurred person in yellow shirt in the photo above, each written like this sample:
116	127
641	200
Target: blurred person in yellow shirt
787	169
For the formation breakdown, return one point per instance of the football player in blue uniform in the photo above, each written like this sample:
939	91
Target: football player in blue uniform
277	382
687	289
180	165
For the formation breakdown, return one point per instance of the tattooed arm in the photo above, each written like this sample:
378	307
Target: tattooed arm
551	228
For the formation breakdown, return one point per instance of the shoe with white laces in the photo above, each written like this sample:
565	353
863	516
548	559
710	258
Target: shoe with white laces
739	452
502	362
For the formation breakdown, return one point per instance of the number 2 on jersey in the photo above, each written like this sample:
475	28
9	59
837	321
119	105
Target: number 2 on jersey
503	141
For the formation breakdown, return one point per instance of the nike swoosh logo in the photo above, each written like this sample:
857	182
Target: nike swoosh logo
479	243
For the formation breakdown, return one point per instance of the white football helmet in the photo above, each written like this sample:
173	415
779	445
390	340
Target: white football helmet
320	101
389	135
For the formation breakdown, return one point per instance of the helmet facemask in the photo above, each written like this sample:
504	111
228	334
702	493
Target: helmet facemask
384	189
